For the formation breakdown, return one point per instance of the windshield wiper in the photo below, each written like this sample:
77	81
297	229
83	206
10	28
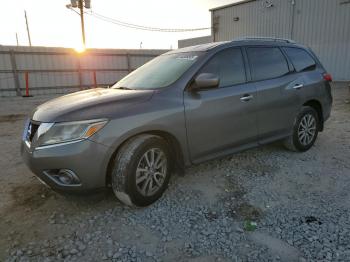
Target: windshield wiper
124	88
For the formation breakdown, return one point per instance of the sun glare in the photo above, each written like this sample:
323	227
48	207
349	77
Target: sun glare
80	49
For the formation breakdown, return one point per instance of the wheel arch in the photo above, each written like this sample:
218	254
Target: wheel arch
172	141
315	104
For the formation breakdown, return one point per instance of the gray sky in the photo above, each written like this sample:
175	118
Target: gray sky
52	24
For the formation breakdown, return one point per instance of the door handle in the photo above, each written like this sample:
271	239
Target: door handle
298	86
246	98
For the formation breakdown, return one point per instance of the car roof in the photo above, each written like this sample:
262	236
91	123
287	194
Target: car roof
199	48
238	42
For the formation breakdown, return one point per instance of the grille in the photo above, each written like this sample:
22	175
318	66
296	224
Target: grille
32	128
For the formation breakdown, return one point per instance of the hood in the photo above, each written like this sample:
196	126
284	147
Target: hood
89	104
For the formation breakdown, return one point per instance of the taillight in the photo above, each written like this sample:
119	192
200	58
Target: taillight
327	77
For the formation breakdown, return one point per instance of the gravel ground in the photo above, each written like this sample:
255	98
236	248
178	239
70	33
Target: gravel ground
265	204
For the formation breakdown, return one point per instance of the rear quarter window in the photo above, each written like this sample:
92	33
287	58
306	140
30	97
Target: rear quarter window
301	60
267	63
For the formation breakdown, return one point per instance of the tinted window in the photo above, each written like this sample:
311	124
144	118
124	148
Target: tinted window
228	65
300	59
267	62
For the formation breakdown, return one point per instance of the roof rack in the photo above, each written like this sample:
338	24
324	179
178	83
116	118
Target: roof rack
264	39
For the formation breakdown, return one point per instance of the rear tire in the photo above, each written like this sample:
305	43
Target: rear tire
305	130
141	170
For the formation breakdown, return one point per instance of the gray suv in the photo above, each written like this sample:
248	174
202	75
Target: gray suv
183	107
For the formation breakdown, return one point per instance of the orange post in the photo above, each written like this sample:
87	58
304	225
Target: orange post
94	78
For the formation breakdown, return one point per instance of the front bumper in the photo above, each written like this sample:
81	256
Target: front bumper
87	159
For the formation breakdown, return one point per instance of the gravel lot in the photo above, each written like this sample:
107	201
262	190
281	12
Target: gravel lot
300	203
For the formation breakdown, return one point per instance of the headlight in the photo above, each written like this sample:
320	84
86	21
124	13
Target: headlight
54	133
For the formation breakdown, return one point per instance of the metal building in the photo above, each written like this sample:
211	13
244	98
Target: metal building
323	25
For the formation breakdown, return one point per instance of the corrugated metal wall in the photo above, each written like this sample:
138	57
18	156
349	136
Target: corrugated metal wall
194	41
254	19
62	70
323	25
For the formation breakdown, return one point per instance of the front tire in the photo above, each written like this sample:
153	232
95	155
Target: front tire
141	170
305	130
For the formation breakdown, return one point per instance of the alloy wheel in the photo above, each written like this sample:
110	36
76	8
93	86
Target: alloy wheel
307	129
151	171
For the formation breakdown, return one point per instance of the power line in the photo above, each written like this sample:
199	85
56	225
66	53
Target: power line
145	28
71	8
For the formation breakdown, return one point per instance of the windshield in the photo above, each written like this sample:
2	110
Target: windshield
159	72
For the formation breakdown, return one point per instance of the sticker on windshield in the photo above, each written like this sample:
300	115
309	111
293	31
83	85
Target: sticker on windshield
187	57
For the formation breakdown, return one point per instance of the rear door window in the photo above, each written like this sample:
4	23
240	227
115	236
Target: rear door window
228	65
266	63
301	59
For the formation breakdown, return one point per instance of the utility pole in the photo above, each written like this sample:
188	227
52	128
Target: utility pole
25	15
81	7
80	4
17	39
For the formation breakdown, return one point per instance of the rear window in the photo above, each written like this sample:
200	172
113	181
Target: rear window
301	59
228	65
267	63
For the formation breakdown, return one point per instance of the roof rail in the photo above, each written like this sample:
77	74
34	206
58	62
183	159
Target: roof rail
264	39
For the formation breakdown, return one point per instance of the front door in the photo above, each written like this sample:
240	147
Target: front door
221	119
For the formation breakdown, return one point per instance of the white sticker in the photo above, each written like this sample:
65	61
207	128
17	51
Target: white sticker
187	57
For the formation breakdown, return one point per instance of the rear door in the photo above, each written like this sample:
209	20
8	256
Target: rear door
221	119
306	67
277	100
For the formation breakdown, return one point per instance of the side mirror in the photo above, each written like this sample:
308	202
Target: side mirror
206	81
